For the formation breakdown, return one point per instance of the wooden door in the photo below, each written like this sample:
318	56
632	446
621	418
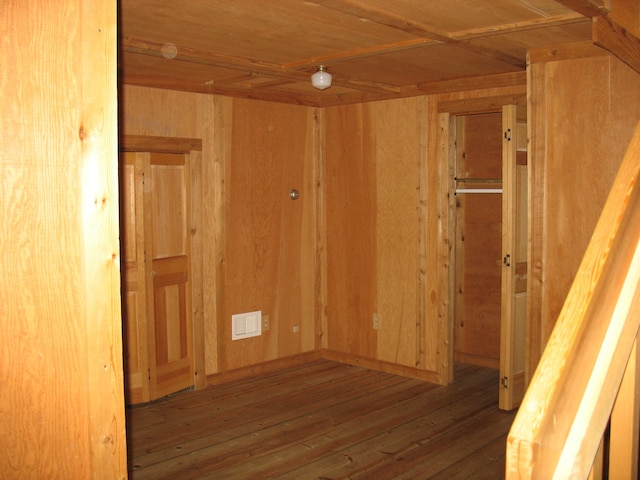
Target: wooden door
514	251
158	323
134	277
171	361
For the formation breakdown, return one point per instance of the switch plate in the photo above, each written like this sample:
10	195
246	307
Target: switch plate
376	321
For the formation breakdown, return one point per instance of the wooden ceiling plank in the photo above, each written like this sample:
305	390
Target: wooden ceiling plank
145	47
362	10
362	53
389	19
235	91
618	41
587	8
186	54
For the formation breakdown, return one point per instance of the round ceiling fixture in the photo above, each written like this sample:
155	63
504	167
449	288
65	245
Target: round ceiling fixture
321	79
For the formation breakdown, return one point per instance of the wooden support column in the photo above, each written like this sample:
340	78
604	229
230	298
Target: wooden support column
625	422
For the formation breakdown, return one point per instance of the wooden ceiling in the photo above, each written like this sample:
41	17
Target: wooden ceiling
375	49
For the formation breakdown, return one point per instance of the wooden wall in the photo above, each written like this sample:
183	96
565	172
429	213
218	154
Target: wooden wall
584	108
373	165
371	234
269	239
259	246
61	394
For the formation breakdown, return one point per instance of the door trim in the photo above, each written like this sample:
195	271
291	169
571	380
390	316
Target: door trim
193	148
447	110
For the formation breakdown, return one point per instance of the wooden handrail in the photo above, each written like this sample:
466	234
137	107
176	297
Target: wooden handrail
561	421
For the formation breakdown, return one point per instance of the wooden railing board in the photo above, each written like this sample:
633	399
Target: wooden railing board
560	423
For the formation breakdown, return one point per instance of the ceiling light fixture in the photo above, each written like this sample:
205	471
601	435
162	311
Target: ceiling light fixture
321	79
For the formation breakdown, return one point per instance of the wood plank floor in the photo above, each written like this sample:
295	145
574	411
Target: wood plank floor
324	420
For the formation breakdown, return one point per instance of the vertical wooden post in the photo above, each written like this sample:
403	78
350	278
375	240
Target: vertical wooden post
62	412
625	422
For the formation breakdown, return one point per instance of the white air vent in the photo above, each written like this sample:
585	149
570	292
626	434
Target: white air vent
245	325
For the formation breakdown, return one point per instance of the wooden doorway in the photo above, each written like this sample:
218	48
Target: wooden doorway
489	258
157	202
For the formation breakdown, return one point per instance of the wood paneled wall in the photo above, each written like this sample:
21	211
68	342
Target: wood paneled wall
370	233
259	245
373	163
61	393
583	111
166	113
269	238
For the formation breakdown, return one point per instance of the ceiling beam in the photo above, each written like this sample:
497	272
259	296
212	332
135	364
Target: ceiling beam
544	22
474	83
215	89
587	8
617	40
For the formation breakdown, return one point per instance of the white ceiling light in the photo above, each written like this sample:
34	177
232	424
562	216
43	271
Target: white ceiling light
321	79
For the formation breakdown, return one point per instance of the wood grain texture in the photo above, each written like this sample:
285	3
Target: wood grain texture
372	188
61	333
270	255
567	407
574	160
441	211
324	420
478	241
169	121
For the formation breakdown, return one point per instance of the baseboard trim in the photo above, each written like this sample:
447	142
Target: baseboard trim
341	357
381	366
261	368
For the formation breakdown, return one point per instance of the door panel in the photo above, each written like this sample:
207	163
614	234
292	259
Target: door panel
134	315
158	329
169	214
173	365
514	250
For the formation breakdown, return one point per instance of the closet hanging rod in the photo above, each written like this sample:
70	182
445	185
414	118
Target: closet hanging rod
478	190
478	180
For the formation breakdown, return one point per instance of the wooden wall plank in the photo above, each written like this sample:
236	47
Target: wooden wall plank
350	209
576	149
60	304
371	198
270	238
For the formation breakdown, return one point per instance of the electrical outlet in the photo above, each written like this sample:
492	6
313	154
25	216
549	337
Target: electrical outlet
376	321
296	329
265	323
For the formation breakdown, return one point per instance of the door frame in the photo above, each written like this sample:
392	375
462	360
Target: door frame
192	147
446	116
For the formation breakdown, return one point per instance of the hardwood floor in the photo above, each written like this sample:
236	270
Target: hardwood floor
324	420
